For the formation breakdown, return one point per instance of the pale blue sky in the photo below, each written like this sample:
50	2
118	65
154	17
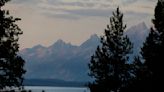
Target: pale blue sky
45	21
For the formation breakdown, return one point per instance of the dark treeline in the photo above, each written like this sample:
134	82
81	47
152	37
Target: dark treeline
110	67
11	65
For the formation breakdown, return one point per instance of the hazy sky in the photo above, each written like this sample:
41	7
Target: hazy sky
45	21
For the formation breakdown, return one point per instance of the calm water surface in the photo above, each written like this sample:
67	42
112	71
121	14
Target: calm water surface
56	89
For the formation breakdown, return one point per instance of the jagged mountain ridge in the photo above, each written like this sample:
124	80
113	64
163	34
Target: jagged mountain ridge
69	62
137	35
60	60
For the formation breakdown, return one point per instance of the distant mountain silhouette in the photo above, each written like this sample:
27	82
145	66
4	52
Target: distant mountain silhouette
137	35
60	60
68	62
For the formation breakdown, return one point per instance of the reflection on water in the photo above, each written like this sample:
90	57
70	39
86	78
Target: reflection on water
56	89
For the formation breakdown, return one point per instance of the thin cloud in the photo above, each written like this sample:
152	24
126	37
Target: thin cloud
48	20
76	8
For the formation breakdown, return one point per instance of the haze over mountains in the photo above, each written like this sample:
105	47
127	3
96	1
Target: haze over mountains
67	19
68	62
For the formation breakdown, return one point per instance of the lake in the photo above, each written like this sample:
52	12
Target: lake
56	89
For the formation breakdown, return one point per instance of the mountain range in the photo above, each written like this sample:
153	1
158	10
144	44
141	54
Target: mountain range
69	62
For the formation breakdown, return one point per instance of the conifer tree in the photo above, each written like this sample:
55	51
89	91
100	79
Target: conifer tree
11	65
152	51
109	65
140	80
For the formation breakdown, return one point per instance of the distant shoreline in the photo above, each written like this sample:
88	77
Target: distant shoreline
53	83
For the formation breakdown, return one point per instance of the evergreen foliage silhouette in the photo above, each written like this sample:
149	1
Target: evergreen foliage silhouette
148	70
140	77
153	48
109	65
11	65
